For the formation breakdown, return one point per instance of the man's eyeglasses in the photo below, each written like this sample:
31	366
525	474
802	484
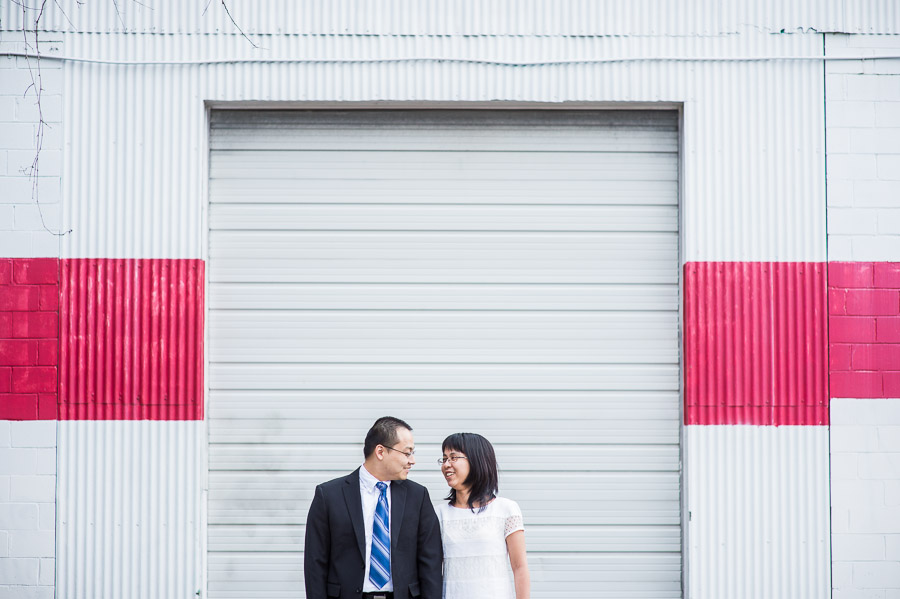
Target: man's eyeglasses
452	459
408	454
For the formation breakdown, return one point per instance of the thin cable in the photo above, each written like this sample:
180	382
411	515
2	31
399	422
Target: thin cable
477	61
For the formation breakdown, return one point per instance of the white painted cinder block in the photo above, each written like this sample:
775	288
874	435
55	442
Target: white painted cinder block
892	548
876	575
35	433
47	573
27	592
19	571
865	485
27	508
862	107
37	488
18	516
24	232
889	222
32	543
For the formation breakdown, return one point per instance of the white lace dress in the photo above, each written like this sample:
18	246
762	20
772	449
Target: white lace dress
476	563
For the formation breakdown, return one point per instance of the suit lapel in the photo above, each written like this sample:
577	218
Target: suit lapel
398	504
354	506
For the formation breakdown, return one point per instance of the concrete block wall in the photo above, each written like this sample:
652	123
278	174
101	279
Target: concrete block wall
26	228
29	294
27	508
865	498
862	117
862	107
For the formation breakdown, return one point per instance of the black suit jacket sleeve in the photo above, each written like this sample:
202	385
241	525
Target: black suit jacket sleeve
431	553
317	548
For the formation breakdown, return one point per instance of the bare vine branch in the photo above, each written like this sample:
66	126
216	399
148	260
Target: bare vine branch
36	87
238	27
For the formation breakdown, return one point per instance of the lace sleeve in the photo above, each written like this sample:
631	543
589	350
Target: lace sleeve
514	519
514	523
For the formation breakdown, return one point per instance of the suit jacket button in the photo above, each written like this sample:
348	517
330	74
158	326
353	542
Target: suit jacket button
359	590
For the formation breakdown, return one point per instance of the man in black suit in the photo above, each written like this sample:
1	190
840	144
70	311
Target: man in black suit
373	534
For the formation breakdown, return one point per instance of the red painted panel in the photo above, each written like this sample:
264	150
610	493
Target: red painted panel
851	329
887	330
876	356
873	302
35	271
131	342
851	274
29	333
857	384
755	345
18	406
887	275
839	354
892	384
865	307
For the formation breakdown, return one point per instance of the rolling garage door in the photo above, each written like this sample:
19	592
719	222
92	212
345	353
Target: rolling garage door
512	273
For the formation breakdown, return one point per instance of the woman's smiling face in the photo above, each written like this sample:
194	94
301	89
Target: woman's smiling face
455	469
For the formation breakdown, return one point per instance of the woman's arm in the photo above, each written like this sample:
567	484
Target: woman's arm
515	546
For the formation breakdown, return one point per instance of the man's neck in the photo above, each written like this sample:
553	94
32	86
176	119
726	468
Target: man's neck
373	470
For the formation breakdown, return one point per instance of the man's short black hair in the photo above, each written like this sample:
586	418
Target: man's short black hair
383	432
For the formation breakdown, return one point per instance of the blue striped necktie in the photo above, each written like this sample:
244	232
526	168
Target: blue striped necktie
380	564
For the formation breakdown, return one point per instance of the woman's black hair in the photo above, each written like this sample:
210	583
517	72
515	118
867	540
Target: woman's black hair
482	479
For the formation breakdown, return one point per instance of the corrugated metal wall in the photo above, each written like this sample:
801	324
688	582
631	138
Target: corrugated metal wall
758	511
472	17
137	133
129	509
134	183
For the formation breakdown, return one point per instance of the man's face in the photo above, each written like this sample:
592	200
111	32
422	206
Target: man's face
396	463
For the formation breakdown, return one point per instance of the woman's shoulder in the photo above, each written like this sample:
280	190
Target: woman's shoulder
507	506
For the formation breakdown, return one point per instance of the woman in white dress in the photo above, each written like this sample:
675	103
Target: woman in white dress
483	535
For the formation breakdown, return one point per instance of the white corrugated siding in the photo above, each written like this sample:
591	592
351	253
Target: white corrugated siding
471	229
134	171
129	505
753	131
466	17
758	504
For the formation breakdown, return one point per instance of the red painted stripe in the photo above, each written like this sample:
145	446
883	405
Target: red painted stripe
29	338
864	325
755	346
131	339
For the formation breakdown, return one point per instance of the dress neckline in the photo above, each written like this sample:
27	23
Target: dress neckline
487	505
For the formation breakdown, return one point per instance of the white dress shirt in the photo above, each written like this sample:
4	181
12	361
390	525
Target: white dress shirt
369	493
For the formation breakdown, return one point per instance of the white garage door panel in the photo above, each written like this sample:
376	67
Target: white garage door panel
618	420
519	192
275	217
513	273
527	458
237	575
300	296
436	167
290	336
287	136
581	538
462	130
573	377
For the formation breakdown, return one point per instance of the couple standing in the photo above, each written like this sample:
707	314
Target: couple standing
373	534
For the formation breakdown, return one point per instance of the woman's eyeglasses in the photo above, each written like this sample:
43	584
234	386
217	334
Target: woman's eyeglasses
452	459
